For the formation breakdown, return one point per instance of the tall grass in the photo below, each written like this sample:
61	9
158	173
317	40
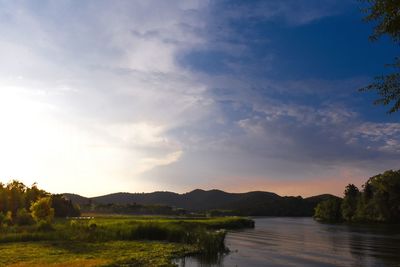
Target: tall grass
201	233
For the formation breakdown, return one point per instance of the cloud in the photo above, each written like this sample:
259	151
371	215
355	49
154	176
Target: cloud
383	137
150	163
146	95
108	88
294	13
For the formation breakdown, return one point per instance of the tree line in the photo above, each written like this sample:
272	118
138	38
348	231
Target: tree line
131	209
24	205
378	201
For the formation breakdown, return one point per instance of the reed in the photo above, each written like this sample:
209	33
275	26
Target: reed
206	234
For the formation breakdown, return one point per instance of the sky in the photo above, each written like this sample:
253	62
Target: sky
99	97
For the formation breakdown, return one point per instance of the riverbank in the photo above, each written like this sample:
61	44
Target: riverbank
115	240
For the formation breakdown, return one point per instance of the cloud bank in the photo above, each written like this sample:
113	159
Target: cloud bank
153	95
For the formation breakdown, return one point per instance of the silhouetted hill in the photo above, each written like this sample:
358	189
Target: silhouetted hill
256	203
160	198
77	199
319	198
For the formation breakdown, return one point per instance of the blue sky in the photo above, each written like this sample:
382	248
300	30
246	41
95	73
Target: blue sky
99	96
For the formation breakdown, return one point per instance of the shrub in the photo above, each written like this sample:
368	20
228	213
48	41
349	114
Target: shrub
2	219
24	217
42	210
44	226
8	218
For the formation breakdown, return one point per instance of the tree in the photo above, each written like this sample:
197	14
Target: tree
385	203
64	207
386	15
378	202
365	209
350	202
42	211
2	219
3	198
32	194
16	196
24	217
329	210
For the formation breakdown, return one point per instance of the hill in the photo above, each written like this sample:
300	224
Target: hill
256	203
77	199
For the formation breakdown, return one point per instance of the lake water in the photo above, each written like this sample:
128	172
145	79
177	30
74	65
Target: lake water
304	242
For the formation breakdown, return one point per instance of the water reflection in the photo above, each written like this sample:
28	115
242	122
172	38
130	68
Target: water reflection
304	242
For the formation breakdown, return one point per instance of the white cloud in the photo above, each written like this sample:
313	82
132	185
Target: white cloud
383	137
93	93
98	91
147	164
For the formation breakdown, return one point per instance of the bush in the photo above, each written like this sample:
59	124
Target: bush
42	210
24	217
2	219
44	226
8	218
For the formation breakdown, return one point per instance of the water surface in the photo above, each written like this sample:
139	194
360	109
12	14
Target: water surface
304	242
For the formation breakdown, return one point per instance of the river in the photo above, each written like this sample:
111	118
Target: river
304	242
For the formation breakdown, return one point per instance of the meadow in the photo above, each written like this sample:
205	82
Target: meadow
115	240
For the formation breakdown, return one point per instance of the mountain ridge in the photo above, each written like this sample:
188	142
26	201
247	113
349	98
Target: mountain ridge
256	203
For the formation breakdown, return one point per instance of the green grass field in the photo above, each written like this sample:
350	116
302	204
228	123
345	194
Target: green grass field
112	253
115	241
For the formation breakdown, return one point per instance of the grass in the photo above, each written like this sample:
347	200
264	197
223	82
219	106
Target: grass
114	253
108	240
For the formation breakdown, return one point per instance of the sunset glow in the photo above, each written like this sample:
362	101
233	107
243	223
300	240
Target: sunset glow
139	96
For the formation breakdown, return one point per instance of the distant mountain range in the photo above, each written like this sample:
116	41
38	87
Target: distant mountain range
256	203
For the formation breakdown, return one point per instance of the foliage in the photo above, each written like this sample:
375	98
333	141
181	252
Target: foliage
329	210
8	218
387	87
386	15
379	201
199	202
200	235
210	242
204	234
24	217
384	202
220	212
251	206
2	219
44	226
16	196
16	200
111	241
64	207
350	202
131	209
42	210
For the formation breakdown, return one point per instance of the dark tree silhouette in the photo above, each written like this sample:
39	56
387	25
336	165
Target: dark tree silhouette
350	202
378	202
386	15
